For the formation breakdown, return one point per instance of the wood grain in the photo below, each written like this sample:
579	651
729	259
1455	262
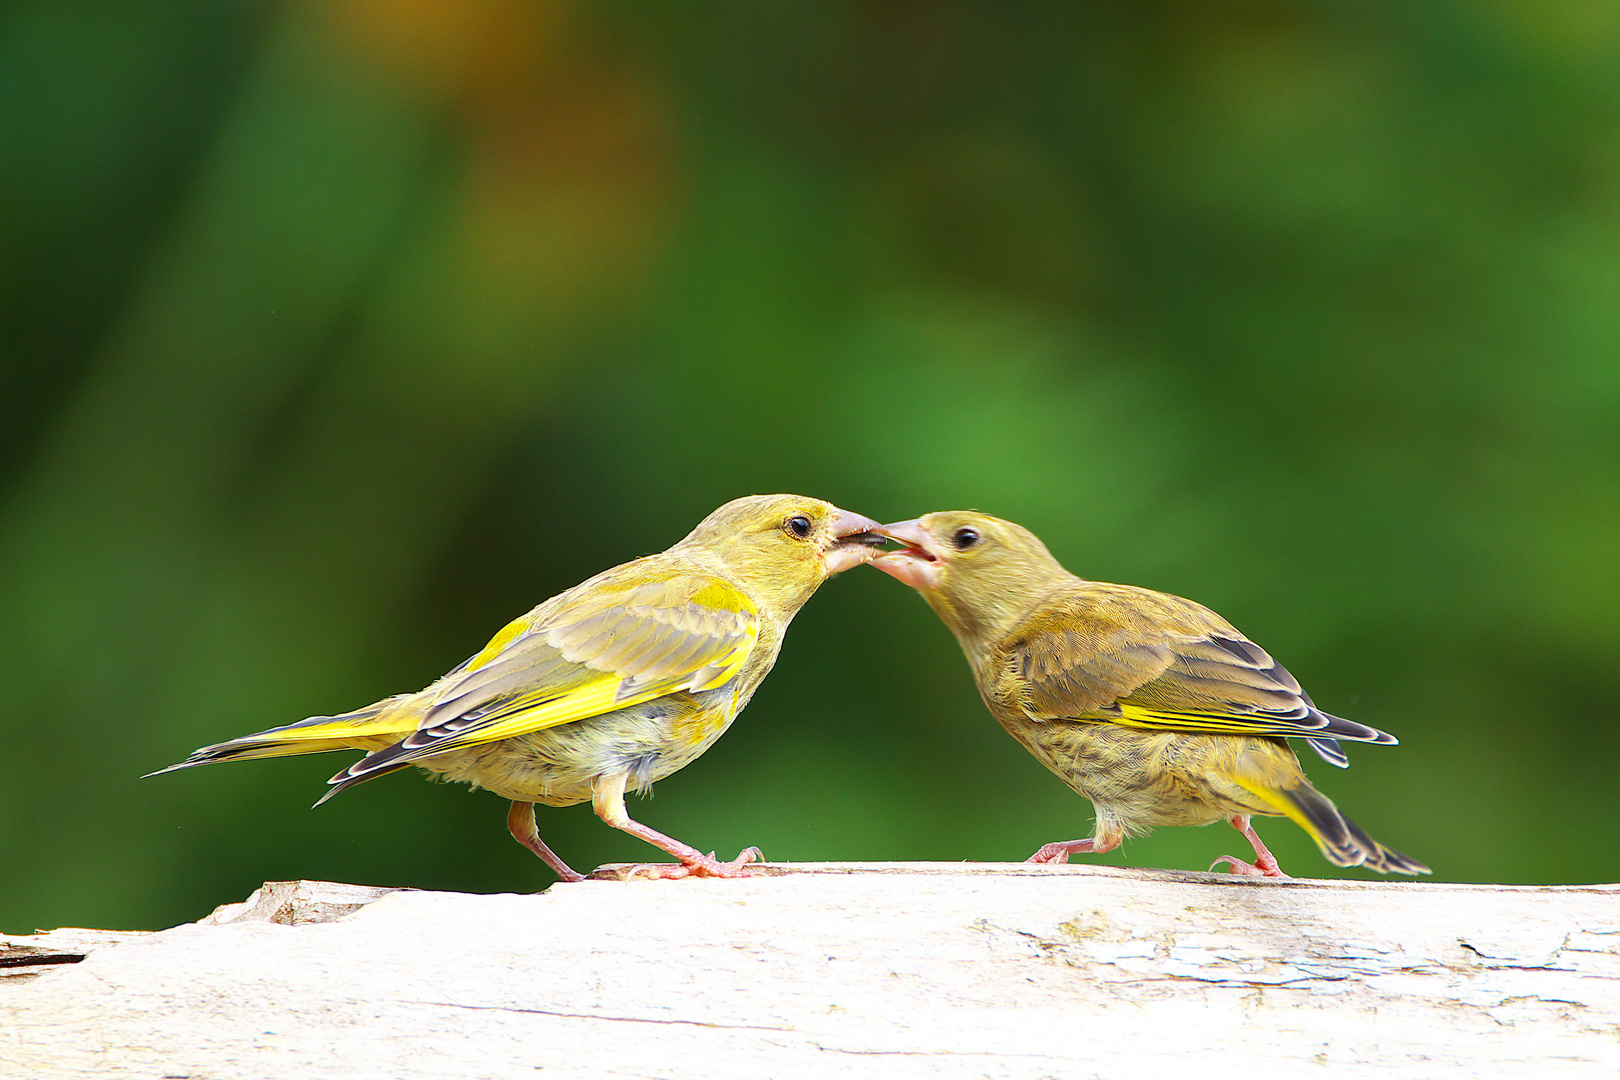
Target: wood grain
882	970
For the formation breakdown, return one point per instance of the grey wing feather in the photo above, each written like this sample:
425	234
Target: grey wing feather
1209	679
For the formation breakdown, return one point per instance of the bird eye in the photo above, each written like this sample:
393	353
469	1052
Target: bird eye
798	525
965	538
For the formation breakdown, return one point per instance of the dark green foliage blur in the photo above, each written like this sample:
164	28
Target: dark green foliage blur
334	335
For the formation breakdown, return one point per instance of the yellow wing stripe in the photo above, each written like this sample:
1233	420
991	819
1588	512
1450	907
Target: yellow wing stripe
508	633
590	699
339	732
598	696
389	722
730	664
1135	716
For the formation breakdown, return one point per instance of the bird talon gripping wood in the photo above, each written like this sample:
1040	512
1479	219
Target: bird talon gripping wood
1153	707
614	684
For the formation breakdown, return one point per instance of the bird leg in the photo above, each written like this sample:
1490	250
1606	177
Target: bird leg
520	821
1059	850
607	799
1265	863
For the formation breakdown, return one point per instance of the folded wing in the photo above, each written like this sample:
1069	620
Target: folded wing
610	648
1204	680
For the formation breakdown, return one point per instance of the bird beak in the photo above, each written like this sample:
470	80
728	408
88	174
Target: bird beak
856	541
916	564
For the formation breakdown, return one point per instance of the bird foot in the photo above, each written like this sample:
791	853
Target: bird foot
1265	863
1265	867
697	866
1059	851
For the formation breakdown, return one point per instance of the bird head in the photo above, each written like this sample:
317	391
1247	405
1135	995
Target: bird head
782	547
979	573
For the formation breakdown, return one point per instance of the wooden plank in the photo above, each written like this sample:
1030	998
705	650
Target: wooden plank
883	970
23	957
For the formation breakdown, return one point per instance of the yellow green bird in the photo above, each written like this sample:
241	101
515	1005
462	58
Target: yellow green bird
614	684
1151	706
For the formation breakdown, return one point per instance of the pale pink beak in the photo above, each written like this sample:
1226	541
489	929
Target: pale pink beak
858	540
917	565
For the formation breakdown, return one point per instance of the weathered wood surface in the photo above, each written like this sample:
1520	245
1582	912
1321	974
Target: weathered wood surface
884	970
25	957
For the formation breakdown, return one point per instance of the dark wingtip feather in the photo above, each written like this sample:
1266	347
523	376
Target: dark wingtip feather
1330	751
171	768
208	755
337	786
359	773
1340	728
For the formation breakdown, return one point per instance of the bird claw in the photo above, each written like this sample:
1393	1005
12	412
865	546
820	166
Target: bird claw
1059	850
648	871
1243	869
697	866
709	866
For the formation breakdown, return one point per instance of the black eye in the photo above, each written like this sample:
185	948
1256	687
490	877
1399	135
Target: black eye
798	525
965	538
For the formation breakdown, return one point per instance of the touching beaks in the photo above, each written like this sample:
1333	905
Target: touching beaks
916	564
910	533
852	528
858	540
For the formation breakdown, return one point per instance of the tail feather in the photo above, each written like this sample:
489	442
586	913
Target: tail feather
370	728
1342	841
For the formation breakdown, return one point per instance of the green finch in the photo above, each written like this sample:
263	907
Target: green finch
614	684
1153	707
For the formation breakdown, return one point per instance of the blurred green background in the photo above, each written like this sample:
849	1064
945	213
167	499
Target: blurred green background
334	335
